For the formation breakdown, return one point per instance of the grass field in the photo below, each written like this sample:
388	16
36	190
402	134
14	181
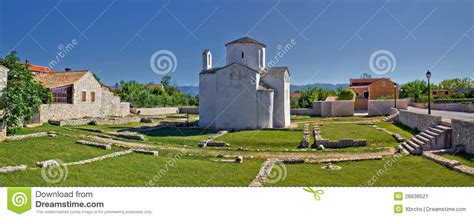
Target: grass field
198	168
465	159
263	139
374	137
141	170
407	171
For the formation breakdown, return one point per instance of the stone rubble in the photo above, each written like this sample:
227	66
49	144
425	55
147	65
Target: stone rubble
353	158
105	146
115	154
305	142
115	120
210	140
143	151
8	169
47	163
127	135
33	135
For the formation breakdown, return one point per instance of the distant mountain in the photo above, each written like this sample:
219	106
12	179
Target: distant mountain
194	90
191	90
324	86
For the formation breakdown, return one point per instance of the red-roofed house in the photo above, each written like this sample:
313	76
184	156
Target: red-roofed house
77	94
371	89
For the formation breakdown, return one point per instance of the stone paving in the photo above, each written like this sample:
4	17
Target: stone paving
263	173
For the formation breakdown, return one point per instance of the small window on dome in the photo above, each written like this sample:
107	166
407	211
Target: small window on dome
242	54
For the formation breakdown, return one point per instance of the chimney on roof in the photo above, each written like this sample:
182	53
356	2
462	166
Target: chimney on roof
67	69
27	61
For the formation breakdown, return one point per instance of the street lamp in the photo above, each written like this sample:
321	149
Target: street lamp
395	94
428	76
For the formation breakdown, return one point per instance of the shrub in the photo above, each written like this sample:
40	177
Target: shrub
346	94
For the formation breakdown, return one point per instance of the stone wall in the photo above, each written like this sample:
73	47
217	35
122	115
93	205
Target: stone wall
189	110
418	121
303	112
453	107
333	108
382	107
156	111
463	134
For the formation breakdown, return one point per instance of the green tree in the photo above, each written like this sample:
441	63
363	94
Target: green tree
415	89
345	94
307	97
23	94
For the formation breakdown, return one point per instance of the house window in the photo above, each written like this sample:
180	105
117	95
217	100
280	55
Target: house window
446	92
366	94
242	55
62	94
93	96
384	84
84	96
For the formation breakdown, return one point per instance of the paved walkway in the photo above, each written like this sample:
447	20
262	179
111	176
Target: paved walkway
447	115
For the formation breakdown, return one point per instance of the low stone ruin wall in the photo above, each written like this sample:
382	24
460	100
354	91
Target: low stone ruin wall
382	107
189	110
321	143
451	164
303	112
95	121
463	135
418	121
305	142
155	111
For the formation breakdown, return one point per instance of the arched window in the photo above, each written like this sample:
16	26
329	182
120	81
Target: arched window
242	54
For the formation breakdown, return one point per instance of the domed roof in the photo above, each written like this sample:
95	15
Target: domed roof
246	40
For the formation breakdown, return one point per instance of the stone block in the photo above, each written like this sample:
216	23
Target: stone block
143	151
217	144
95	144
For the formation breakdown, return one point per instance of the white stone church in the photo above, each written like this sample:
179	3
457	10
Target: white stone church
245	93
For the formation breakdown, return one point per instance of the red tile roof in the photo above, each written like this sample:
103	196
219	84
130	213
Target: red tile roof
60	79
295	95
40	69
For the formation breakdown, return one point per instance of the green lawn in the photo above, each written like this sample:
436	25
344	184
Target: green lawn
32	150
408	171
374	137
138	170
405	131
177	136
263	139
465	159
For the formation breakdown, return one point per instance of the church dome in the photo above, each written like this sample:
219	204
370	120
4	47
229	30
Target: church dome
246	40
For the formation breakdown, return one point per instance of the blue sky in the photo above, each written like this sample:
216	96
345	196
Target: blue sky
334	38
